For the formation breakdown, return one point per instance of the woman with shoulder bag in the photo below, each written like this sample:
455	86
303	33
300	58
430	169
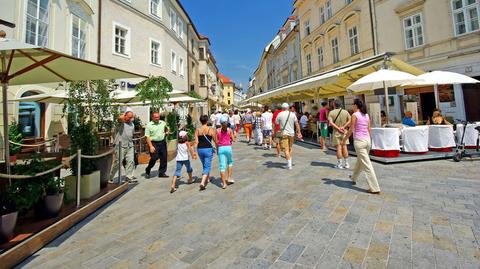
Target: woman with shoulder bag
205	138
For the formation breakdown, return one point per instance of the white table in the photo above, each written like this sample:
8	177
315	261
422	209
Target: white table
386	142
415	139
440	137
471	134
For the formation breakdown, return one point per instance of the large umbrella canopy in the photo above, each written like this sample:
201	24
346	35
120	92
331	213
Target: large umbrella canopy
56	97
381	79
26	64
22	63
177	98
132	96
436	78
385	79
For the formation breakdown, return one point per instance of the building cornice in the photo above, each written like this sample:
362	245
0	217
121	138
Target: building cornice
413	4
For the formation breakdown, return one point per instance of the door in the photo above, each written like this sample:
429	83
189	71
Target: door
471	97
427	101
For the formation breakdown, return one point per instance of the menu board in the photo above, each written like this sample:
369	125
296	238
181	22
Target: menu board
375	116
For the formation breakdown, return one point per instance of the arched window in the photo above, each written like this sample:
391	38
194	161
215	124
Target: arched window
29	117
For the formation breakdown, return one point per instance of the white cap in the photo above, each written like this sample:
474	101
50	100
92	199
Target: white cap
182	134
285	105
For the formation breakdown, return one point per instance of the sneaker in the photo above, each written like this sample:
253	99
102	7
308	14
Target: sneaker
346	166
339	166
147	173
289	167
230	181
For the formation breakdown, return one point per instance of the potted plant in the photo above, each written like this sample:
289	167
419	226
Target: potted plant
15	135
190	128
54	190
155	91
8	216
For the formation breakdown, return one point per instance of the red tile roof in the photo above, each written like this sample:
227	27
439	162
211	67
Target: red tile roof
224	78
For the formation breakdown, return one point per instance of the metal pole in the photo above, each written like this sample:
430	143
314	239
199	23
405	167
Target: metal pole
6	143
437	98
79	167
119	162
387	105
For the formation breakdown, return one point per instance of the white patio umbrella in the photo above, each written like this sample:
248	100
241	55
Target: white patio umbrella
383	78
120	96
178	98
22	63
436	78
56	97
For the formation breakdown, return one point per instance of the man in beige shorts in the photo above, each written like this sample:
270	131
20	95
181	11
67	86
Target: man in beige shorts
287	121
339	119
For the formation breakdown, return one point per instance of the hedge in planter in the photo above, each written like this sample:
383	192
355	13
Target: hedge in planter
15	135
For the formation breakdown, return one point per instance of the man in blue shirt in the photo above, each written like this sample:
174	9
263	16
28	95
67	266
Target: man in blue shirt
407	120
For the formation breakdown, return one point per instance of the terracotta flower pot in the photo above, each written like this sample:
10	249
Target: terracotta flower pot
7	225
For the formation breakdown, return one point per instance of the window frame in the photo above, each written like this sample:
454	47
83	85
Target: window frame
355	49
204	84
81	23
180	25
181	66
37	21
309	64
173	62
159	52
322	14
413	28
464	10
159	13
127	40
173	21
320	57
306	27
329	9
335	50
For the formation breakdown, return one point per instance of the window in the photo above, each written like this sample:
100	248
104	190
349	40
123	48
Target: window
180	29
329	9
353	37
155	53
228	94
348	1
203	80
156	8
320	57
202	53
309	64
121	40
181	66
229	100
173	20
307	27
174	62
413	31
29	117
79	36
465	16
335	53
37	22
322	15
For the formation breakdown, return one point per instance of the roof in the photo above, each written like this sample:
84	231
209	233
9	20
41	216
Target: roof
224	78
204	37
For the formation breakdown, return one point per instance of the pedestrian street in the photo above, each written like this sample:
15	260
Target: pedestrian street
427	216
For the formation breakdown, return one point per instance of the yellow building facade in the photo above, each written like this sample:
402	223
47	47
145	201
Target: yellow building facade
228	89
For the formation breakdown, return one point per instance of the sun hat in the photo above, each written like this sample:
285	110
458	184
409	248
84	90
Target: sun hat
182	134
285	105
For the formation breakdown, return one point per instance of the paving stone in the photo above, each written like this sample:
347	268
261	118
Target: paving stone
292	253
252	253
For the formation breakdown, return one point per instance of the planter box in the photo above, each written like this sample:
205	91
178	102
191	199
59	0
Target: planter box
7	225
104	165
89	185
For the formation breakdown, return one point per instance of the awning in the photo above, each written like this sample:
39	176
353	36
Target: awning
332	83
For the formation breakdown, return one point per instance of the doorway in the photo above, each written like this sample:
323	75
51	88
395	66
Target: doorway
427	101
472	101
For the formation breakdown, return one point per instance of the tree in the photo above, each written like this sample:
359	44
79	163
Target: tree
155	91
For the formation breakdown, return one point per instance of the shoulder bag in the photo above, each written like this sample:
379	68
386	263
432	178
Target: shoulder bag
330	128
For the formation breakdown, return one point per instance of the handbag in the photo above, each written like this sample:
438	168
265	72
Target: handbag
330	128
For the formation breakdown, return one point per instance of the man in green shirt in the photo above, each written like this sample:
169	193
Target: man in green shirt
156	132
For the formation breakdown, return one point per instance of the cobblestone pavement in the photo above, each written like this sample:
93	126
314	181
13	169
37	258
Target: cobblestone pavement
309	217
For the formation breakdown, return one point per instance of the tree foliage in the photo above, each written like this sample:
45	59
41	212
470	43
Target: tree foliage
155	91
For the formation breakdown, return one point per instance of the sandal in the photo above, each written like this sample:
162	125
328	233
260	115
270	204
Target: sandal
172	190
224	186
373	192
202	187
353	182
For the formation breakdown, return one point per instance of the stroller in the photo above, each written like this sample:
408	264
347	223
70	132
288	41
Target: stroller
460	151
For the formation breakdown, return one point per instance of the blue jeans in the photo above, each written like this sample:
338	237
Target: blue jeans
180	164
206	155
225	155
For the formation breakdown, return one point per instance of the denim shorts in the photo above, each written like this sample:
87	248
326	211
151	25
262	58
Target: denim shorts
180	164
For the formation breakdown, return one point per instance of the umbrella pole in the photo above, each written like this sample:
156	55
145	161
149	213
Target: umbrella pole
437	97
387	105
6	143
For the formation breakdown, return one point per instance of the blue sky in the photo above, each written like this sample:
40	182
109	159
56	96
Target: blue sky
239	30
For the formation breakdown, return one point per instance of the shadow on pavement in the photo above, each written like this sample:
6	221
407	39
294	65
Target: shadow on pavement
271	164
269	155
347	184
323	164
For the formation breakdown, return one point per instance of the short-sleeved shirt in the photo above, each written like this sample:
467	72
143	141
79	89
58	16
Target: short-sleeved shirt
343	118
124	134
274	119
236	118
286	122
248	118
267	120
323	114
156	130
